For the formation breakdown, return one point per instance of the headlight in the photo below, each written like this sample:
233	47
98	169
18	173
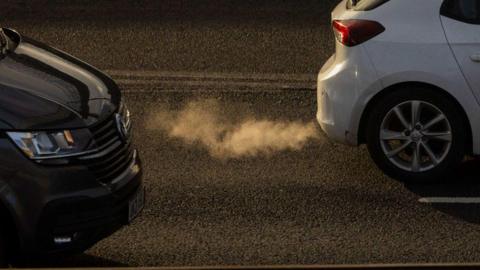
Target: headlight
46	145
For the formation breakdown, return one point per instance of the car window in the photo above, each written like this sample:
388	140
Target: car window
364	5
463	10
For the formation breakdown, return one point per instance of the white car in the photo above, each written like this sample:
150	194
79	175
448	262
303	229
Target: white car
405	80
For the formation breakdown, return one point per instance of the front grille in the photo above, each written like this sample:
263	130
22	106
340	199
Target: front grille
115	154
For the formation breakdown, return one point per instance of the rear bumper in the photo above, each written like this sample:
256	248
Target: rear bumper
344	86
335	99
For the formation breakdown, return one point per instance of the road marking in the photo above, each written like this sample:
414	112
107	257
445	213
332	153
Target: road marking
213	75
210	84
450	200
137	91
178	81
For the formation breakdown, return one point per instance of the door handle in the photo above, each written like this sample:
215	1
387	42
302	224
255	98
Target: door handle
476	57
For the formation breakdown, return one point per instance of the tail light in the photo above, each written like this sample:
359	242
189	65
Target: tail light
354	32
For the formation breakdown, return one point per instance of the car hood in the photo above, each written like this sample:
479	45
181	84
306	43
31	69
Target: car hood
45	88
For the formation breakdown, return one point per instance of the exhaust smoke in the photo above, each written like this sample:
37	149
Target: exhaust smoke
227	134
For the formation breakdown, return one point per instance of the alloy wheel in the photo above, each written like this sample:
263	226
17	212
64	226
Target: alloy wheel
415	136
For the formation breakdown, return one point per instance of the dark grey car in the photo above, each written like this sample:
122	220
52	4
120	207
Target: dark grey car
69	174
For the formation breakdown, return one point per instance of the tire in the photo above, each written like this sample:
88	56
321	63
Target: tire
445	140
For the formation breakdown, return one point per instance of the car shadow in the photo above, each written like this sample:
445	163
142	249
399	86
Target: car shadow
74	261
464	183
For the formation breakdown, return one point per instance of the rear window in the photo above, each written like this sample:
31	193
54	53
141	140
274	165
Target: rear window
363	5
462	10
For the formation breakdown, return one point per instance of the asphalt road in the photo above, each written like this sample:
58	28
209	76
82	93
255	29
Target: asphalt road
293	40
323	204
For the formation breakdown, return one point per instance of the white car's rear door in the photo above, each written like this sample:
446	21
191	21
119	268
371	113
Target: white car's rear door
461	21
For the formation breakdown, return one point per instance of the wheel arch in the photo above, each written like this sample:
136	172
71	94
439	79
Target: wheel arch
399	87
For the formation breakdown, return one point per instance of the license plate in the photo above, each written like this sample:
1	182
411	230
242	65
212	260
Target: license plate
136	204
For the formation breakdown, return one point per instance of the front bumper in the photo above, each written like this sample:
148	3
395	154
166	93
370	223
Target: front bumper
47	202
86	220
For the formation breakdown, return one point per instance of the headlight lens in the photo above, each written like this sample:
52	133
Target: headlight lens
45	145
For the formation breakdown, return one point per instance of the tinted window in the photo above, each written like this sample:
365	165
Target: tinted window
462	10
363	5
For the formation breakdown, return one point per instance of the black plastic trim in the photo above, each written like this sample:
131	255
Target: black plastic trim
371	5
447	11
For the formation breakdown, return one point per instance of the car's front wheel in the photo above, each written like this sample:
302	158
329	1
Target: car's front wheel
416	135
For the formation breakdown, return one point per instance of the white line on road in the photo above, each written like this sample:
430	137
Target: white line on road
301	77
181	81
450	200
230	84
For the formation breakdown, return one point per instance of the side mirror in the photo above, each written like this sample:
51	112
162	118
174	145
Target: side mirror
3	42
